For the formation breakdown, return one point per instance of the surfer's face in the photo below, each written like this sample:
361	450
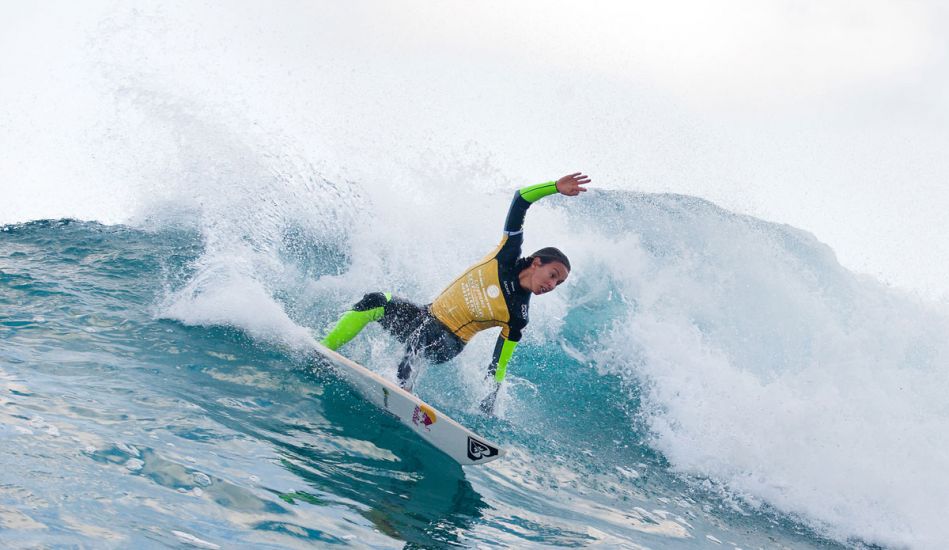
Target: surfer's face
546	277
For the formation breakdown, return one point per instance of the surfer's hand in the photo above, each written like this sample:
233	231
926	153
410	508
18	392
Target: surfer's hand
572	185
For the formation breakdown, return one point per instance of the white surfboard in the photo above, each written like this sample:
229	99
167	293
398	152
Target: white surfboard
446	435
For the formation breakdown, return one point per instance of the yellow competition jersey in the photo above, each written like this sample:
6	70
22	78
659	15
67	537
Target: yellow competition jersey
486	295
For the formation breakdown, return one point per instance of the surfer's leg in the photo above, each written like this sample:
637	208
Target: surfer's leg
431	340
370	308
405	370
416	341
402	319
443	347
435	341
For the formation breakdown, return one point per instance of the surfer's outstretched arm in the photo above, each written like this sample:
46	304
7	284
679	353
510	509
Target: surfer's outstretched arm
570	185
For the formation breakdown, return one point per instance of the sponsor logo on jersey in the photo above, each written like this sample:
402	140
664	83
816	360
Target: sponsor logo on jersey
424	416
524	311
493	291
479	450
508	287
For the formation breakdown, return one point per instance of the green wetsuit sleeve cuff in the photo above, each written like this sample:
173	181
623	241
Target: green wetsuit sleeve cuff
507	350
533	193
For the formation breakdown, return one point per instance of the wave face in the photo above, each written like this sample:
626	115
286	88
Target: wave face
702	377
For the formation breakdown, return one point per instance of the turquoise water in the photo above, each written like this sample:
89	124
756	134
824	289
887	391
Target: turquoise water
128	421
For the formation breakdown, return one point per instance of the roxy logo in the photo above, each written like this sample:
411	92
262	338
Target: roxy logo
478	450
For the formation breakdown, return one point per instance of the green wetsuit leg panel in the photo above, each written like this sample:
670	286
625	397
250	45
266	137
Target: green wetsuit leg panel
353	321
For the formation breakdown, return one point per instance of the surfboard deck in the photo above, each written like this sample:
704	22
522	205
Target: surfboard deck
438	429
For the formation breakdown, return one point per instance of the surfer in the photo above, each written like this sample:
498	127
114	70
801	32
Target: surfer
495	292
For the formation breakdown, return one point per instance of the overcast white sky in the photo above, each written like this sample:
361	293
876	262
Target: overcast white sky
830	116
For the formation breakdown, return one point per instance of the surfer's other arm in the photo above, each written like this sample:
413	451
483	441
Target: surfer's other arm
539	273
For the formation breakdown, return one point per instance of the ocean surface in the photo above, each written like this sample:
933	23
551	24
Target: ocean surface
704	379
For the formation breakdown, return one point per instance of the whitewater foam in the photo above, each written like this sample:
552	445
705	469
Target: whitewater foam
771	370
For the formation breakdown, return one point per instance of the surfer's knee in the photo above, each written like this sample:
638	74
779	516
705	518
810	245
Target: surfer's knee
374	304
372	301
370	308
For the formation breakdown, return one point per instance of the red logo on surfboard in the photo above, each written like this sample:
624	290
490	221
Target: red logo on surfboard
423	415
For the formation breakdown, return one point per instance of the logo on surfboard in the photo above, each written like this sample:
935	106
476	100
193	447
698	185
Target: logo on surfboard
478	450
423	415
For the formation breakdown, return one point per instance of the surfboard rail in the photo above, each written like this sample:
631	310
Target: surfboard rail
437	428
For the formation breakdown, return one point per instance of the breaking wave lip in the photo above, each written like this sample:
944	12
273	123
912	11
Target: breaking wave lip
767	367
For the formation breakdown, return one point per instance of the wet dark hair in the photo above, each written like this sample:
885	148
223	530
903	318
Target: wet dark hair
545	255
